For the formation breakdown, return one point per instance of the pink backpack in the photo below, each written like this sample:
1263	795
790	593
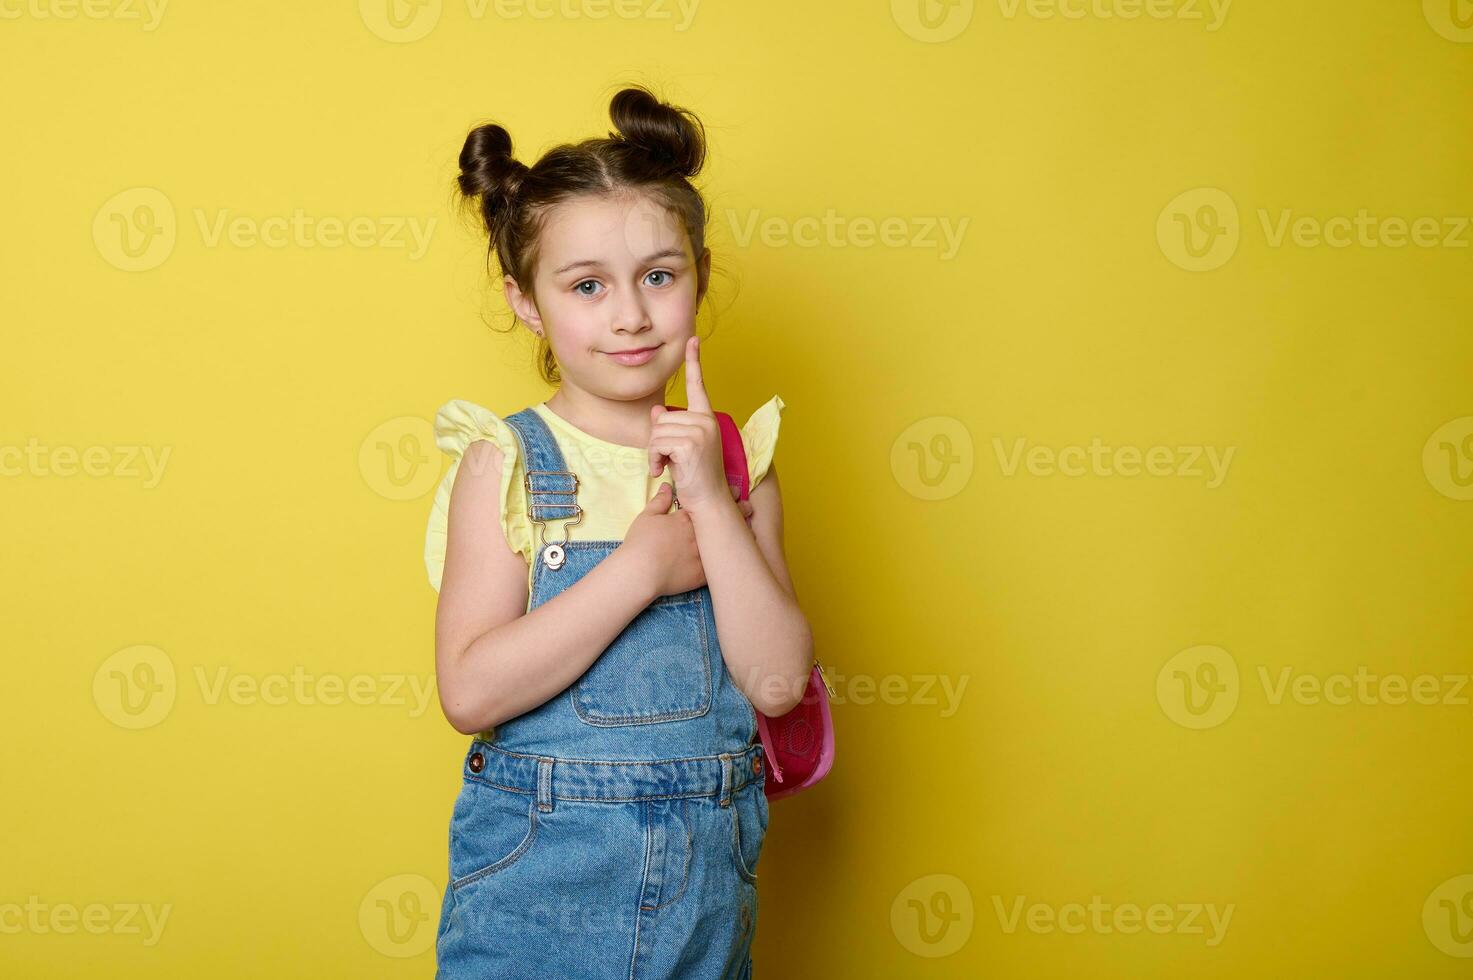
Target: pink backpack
799	745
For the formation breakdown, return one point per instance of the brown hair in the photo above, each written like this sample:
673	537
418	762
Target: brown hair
655	149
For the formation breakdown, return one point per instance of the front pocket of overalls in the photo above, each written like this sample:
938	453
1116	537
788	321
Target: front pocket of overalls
490	830
749	812
657	669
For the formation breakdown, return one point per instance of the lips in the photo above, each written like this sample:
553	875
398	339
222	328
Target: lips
633	358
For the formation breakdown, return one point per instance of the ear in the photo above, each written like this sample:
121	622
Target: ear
522	304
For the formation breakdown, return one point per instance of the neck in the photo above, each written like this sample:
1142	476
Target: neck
624	422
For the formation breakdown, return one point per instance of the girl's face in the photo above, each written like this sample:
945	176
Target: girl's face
614	275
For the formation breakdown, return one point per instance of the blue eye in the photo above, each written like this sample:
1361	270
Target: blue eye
660	272
586	282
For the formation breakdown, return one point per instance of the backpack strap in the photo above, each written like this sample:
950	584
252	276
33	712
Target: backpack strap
734	458
733	455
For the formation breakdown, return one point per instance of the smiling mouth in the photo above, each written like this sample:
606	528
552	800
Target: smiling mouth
634	357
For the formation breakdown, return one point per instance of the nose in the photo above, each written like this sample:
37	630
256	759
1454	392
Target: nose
631	316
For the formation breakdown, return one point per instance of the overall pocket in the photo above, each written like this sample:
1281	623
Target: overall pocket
490	830
657	669
749	812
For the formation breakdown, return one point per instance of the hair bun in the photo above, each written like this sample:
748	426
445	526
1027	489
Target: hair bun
669	134
489	171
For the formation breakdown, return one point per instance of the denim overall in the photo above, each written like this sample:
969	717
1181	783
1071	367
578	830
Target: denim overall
614	830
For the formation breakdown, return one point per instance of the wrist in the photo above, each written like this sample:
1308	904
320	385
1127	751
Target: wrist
634	569
716	511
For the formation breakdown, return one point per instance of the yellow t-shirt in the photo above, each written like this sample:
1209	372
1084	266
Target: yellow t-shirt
614	484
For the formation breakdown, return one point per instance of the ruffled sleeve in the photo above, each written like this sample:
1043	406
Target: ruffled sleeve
458	424
759	438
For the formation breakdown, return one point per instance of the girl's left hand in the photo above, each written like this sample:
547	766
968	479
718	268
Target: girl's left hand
689	442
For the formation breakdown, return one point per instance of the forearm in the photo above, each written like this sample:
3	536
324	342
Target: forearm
522	664
765	638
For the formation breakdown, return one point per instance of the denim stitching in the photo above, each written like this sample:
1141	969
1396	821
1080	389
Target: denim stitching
693	597
685	874
506	861
748	779
736	846
649	845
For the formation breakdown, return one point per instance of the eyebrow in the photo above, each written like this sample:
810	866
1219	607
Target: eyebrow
669	253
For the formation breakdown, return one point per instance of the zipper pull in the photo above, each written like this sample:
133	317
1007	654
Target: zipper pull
825	678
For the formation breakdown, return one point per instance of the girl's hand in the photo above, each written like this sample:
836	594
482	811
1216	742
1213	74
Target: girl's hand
689	442
663	546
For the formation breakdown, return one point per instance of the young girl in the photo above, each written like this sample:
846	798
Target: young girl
607	644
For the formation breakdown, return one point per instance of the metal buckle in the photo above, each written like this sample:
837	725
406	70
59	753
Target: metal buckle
553	554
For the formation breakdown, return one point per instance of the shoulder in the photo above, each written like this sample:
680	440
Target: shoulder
460	423
759	438
483	455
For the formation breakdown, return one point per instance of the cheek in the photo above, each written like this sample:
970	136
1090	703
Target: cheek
677	308
570	321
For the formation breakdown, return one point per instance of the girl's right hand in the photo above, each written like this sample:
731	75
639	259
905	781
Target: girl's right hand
664	545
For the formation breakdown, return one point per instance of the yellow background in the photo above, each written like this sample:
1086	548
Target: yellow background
293	388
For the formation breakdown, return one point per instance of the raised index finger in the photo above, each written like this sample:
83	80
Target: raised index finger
695	386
